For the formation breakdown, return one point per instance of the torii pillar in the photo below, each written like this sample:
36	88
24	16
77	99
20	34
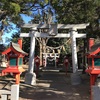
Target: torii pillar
30	77
74	52
75	76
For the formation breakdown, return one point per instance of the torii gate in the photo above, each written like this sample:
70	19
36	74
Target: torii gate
55	55
73	34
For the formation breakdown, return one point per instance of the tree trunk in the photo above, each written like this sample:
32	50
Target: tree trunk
42	43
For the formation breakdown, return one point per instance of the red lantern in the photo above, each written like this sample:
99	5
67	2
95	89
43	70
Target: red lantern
66	63
37	63
15	60
93	62
93	68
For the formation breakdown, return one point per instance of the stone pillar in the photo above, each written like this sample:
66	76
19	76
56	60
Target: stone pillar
74	52
15	92
75	77
95	95
31	57
30	77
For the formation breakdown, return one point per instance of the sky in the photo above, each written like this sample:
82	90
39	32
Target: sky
7	35
26	18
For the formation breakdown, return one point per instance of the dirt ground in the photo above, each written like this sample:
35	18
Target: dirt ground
51	85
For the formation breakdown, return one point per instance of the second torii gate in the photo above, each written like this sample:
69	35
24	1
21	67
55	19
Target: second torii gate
73	34
46	55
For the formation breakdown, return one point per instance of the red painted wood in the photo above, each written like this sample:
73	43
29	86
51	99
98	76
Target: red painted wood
3	74
93	71
91	43
13	69
20	42
6	51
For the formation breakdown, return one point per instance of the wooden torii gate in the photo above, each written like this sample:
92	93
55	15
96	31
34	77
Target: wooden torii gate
73	34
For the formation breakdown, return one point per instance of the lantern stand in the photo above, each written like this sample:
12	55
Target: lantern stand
93	69
15	60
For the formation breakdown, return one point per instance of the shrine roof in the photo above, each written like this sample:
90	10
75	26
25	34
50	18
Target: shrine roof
94	48
17	48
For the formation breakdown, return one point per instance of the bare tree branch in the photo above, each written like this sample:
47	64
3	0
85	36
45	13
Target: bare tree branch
39	40
34	6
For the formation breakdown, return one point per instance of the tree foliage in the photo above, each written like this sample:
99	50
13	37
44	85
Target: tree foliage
79	11
66	12
11	10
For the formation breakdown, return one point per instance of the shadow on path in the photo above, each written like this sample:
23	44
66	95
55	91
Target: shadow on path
55	85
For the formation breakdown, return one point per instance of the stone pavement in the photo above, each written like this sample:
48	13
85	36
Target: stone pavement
55	85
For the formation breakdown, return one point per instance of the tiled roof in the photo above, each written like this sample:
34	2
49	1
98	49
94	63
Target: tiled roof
17	48
94	47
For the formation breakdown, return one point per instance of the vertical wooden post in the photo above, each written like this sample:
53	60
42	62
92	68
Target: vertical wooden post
91	43
17	77
20	42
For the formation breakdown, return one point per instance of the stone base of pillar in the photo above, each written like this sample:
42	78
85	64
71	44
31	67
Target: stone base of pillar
76	79
95	92
15	92
30	78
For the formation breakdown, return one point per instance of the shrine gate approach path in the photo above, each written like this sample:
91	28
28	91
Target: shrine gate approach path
55	85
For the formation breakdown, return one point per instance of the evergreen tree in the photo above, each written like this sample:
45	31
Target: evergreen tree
79	11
